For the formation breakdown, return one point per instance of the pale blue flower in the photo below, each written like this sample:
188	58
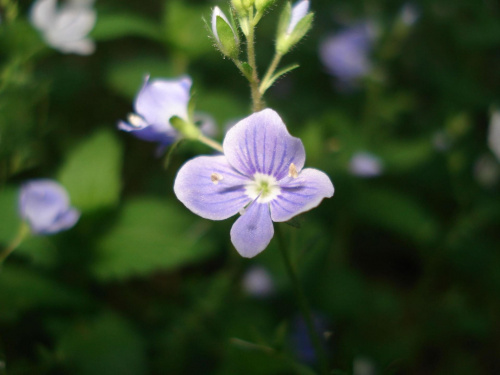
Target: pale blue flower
44	204
259	176
257	281
66	27
494	134
155	104
346	54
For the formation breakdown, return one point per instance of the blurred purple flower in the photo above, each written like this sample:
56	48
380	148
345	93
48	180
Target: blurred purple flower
301	341
260	176
66	27
156	103
364	164
346	54
258	282
44	204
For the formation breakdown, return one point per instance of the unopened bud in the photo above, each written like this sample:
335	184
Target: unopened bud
294	23
226	38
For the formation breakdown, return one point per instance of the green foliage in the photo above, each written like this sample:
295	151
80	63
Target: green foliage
91	173
105	344
112	26
151	235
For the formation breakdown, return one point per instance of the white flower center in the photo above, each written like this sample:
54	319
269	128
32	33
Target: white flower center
263	186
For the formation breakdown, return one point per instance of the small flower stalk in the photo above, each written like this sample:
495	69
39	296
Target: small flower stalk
294	24
226	38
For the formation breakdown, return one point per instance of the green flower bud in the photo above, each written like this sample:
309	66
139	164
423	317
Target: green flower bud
227	40
294	23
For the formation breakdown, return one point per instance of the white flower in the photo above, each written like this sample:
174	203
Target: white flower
65	28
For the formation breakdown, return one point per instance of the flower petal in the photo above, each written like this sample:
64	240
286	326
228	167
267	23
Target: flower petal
64	221
211	188
301	194
261	143
43	13
253	231
161	133
159	100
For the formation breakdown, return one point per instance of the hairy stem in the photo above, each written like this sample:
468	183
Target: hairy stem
257	102
303	304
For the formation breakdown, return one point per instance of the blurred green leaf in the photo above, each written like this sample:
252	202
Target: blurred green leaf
106	345
22	289
184	28
401	156
397	213
127	77
112	26
91	173
150	235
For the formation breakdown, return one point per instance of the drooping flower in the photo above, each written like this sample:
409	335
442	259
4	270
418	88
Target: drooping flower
44	204
65	28
155	104
346	54
364	164
260	176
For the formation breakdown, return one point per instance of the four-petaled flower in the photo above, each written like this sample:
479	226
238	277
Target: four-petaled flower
156	103
44	204
260	176
65	28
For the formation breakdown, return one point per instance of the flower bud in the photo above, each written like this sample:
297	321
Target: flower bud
239	7
294	23
227	40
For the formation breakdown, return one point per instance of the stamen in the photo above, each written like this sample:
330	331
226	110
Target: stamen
135	120
292	171
215	177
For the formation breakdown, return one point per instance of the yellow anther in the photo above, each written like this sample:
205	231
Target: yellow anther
292	171
215	177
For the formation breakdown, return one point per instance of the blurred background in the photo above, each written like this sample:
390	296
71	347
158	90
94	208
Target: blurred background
395	101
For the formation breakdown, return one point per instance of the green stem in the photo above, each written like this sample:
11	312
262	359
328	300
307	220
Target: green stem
303	304
239	65
210	143
22	233
257	103
270	71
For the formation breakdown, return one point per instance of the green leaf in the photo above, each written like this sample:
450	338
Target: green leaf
113	26
284	20
22	289
127	77
277	75
247	68
91	173
151	234
105	345
398	213
184	29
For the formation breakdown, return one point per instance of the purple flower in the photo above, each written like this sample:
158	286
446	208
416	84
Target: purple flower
156	103
364	164
346	54
260	176
257	281
44	204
